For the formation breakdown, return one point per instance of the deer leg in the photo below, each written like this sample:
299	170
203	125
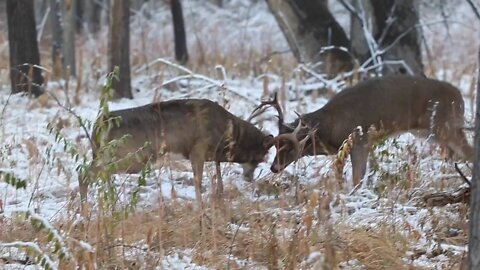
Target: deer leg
359	157
458	144
197	167
248	170
219	186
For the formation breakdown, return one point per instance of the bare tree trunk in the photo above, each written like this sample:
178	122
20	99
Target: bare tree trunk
92	14
23	48
57	38
181	51
363	15
397	32
474	238
310	28
106	12
79	15
69	28
219	3
137	4
119	46
40	7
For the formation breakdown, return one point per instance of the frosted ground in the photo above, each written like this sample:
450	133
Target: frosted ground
436	236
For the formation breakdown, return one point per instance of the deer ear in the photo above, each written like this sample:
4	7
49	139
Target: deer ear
268	141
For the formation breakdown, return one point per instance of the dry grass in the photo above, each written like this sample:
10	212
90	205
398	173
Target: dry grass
266	233
274	233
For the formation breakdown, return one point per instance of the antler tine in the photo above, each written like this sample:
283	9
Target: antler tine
297	129
275	104
310	134
256	112
259	109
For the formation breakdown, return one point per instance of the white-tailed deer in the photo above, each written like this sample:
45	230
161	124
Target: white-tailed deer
390	105
198	129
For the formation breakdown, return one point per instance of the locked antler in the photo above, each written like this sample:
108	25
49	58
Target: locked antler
264	106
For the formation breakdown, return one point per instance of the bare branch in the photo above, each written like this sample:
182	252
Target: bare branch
350	8
464	178
474	8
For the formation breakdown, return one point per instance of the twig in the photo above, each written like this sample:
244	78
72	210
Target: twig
464	178
31	246
230	249
37	181
42	24
474	8
351	9
79	119
357	187
9	260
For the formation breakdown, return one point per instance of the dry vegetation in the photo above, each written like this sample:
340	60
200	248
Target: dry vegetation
299	220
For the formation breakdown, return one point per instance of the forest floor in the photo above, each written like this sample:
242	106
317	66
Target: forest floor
300	219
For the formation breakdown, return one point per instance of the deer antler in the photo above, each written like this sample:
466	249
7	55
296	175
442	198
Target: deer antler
299	145
262	108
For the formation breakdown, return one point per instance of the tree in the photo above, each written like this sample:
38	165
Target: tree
25	75
219	3
91	15
69	28
383	30
79	15
309	28
181	51
474	237
57	38
119	47
396	32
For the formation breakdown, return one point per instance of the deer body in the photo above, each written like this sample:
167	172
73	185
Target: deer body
391	105
198	129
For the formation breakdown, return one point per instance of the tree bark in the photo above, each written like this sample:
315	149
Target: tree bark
474	237
79	15
92	14
119	47
396	31
363	15
309	28
23	48
69	27
40	7
181	51
57	38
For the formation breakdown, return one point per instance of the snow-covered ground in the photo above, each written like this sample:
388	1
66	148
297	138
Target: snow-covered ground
407	167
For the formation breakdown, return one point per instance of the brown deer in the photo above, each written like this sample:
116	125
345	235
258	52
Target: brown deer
389	105
198	129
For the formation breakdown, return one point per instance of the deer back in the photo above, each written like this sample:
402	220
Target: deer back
391	104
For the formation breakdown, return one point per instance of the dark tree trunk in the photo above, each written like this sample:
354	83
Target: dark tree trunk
360	47
106	12
309	28
92	15
22	38
80	15
56	13
181	51
396	30
474	238
69	27
119	47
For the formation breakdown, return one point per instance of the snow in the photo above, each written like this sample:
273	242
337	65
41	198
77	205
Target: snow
30	152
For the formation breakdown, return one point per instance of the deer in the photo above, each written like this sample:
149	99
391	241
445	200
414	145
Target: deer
198	129
388	105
